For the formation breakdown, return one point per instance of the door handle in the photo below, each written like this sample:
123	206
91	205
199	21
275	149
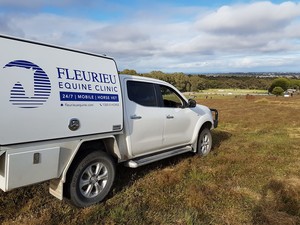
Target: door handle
170	117
135	117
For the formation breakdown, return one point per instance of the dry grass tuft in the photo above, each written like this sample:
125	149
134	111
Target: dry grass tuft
262	101
294	132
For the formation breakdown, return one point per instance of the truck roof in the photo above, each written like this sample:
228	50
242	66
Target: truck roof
54	46
143	78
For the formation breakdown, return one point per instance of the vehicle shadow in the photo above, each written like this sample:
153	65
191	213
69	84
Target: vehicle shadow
218	137
126	176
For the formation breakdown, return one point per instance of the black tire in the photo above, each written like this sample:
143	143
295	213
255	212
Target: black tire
204	142
91	179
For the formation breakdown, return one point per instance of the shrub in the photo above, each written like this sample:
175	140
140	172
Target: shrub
277	91
284	83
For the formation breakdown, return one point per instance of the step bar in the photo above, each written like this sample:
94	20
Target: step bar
134	163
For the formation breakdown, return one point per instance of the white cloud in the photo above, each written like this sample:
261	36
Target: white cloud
250	18
235	37
260	28
50	28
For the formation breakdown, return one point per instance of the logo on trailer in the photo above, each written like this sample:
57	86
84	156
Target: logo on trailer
41	86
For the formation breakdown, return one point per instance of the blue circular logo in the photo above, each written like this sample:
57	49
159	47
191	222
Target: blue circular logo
41	85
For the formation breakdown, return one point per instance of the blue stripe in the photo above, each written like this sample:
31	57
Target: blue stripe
20	63
27	101
46	95
40	73
42	82
42	92
18	90
18	95
18	87
43	89
40	85
41	77
24	103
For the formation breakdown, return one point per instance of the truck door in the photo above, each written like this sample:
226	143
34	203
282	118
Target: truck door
145	120
179	119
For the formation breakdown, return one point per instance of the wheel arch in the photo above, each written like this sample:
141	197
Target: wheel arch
85	147
207	125
85	170
202	125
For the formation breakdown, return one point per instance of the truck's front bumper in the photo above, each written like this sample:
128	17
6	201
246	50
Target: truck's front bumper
215	117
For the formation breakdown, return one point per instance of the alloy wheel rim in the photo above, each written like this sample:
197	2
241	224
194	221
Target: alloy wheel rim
205	144
93	180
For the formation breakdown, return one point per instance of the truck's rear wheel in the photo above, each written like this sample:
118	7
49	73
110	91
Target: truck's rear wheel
204	142
91	179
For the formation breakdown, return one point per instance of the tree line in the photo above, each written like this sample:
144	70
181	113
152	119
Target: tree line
282	84
193	83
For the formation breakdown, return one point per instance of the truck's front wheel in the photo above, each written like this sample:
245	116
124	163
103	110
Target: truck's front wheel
204	142
91	179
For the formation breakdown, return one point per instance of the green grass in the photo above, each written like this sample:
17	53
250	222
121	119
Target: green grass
250	177
224	93
234	91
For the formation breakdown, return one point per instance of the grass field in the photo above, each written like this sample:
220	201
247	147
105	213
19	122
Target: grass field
225	93
252	176
231	92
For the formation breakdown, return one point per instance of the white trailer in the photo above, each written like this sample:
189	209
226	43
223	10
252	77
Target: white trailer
67	116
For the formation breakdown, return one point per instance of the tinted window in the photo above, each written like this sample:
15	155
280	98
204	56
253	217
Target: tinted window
170	98
142	93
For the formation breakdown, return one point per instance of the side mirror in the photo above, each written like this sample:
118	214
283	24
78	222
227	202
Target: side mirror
192	103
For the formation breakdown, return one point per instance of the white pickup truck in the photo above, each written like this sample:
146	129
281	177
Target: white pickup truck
67	116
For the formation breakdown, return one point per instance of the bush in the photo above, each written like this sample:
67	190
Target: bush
277	91
284	83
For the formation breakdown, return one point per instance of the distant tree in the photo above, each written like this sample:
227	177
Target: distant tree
182	82
196	83
129	72
295	84
277	91
200	82
157	73
284	83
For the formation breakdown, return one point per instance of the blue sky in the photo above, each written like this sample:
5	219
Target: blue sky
171	36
